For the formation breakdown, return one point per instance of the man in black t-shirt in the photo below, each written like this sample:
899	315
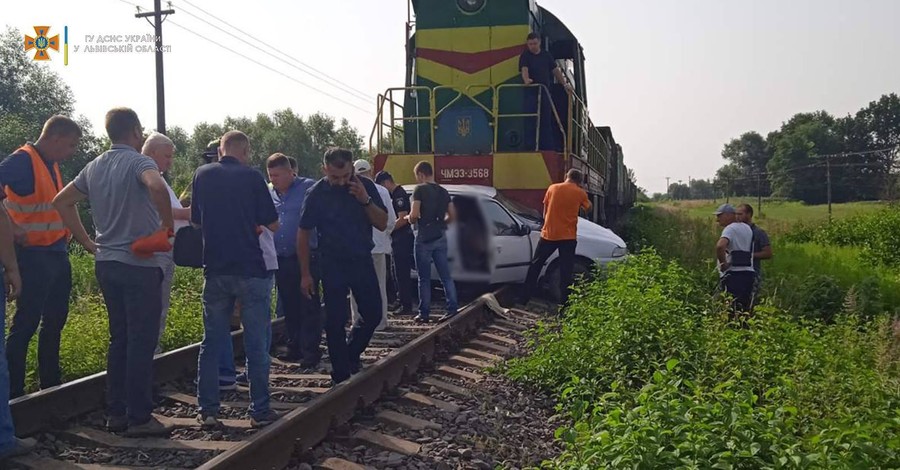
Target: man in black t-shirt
431	211
538	67
401	244
343	208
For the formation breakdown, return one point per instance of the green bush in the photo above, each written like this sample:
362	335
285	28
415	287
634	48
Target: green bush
877	234
655	376
85	338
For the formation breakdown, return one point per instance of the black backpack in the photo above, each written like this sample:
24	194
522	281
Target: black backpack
188	249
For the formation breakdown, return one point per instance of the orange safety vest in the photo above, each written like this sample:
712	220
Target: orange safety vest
35	213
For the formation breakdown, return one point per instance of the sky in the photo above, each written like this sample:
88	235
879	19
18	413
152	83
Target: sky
674	79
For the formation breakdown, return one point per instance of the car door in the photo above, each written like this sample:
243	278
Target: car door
511	245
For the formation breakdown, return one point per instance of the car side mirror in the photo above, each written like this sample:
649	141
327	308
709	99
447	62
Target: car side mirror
524	230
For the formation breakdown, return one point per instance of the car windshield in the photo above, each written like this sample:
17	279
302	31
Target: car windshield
520	209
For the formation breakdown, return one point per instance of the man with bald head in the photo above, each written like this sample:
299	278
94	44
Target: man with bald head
162	150
231	204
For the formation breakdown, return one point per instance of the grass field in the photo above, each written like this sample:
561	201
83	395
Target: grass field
652	373
777	216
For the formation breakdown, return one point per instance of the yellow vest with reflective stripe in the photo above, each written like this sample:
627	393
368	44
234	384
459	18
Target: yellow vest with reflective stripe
35	213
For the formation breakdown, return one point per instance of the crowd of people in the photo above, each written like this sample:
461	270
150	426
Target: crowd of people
349	235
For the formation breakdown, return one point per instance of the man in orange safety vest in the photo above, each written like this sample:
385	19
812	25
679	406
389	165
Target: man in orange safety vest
30	178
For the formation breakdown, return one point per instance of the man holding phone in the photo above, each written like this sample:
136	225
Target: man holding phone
343	209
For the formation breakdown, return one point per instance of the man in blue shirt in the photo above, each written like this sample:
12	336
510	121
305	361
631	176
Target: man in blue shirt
302	316
343	208
29	179
231	204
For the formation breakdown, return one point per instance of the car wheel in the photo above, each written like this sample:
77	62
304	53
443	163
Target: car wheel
582	268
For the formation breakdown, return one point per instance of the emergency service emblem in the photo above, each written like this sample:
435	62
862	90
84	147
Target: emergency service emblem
463	126
42	43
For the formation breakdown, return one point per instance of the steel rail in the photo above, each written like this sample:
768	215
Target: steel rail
272	447
52	407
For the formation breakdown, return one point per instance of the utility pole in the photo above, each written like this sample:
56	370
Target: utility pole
828	176
158	15
758	193
668	193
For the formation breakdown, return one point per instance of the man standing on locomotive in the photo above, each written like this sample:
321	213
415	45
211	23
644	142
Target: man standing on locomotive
538	67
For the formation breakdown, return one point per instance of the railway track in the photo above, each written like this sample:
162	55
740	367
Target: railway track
68	419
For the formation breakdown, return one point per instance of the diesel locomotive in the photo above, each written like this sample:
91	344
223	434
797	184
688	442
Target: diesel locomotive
463	107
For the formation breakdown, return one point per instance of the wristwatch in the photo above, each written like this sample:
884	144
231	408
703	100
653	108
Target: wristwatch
368	201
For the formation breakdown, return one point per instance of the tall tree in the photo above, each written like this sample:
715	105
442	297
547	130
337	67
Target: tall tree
795	171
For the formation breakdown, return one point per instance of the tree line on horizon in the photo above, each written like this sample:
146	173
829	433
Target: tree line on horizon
790	162
30	93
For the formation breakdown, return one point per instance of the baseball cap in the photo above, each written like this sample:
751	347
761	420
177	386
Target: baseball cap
724	209
361	166
383	176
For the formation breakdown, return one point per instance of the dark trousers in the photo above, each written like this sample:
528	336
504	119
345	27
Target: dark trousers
740	285
133	298
44	302
547	121
566	261
339	277
402	263
303	317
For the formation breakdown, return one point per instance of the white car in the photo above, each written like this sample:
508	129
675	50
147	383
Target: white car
498	238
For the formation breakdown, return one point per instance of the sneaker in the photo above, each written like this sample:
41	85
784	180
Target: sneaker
262	421
116	423
20	447
421	319
395	305
403	312
242	380
208	421
290	356
153	427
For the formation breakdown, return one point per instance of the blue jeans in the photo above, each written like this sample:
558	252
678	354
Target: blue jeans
227	370
7	432
435	251
219	296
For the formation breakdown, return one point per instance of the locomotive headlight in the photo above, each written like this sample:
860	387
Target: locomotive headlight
470	6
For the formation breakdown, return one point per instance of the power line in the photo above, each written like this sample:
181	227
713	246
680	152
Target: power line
368	111
356	93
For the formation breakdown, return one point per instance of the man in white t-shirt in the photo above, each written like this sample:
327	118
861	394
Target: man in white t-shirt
734	253
161	149
382	247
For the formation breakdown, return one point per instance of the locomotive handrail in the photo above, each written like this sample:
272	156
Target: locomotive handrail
459	95
537	114
388	97
589	134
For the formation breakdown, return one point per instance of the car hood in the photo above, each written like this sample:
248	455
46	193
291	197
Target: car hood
586	229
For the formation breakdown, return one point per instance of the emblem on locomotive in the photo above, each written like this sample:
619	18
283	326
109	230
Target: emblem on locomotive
463	126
